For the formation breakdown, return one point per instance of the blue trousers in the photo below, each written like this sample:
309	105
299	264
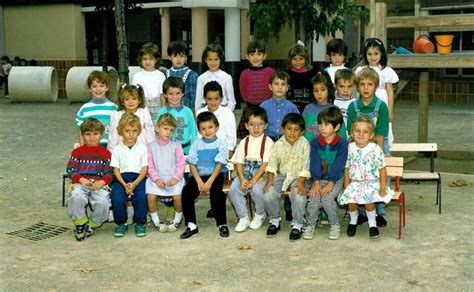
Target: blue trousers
119	200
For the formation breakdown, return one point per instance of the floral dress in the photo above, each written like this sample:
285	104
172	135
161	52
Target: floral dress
364	165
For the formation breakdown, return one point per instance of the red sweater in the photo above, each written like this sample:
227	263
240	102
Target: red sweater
253	85
91	163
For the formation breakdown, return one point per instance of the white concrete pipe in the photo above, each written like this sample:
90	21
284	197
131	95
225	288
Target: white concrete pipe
33	83
76	83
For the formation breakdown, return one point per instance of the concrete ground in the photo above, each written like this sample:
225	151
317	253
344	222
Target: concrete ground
435	252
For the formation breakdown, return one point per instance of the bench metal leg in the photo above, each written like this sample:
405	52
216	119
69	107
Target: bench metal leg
64	191
438	193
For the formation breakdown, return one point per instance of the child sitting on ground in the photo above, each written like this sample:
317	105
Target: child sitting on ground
207	160
251	159
337	52
365	176
327	160
90	172
129	160
288	168
99	107
150	78
165	172
178	53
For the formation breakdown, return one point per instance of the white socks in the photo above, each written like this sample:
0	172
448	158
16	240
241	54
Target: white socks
371	218
192	226
178	217
155	218
354	215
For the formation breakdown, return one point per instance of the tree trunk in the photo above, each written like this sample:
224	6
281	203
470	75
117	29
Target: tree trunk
122	45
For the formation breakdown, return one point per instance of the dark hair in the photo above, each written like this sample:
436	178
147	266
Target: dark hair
299	50
99	76
92	124
345	74
375	43
173	82
6	59
149	49
323	77
206	117
331	115
135	90
256	111
213	48
256	45
279	75
212	86
336	46
177	47
294	118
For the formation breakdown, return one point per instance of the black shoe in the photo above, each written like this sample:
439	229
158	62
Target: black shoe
210	214
373	232
381	222
361	219
351	230
272	230
295	234
188	233
224	231
288	216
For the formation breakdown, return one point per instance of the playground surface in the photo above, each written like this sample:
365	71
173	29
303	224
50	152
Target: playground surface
435	252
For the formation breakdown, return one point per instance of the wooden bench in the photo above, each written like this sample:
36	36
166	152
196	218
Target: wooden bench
431	175
395	169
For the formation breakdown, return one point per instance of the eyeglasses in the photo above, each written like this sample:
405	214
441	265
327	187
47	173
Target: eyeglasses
256	125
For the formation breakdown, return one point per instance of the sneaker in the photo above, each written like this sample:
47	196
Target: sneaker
90	230
361	219
334	231
373	232
308	232
170	214
351	230
161	227
257	221
381	222
120	230
273	230
224	231
174	226
140	230
242	225
295	234
80	232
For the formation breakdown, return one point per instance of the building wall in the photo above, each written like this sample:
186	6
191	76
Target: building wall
54	35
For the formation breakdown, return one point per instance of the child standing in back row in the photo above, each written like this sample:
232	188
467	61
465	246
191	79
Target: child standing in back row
337	52
178	53
299	91
150	78
253	82
213	57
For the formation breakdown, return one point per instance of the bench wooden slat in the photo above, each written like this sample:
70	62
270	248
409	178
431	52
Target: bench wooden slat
421	175
414	147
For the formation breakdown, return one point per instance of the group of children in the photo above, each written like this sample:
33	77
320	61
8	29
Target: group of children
294	143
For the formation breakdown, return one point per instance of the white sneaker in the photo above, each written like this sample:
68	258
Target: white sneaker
242	225
161	227
335	231
174	226
257	221
308	232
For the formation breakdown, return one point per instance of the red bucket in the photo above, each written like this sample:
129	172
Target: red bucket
423	45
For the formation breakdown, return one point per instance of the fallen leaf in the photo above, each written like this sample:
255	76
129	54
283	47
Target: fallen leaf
294	254
458	183
25	257
387	253
86	269
244	246
371	274
197	282
313	277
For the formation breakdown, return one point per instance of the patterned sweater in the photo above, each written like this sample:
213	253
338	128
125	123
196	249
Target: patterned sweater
91	163
327	161
253	84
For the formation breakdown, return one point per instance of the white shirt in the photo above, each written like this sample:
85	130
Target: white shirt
332	72
146	136
129	160
227	125
253	150
225	80
152	82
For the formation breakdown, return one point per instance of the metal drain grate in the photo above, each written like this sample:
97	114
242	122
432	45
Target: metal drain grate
39	231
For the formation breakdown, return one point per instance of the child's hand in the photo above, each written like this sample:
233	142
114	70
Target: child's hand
98	184
172	182
251	183
267	185
206	187
130	187
315	189
383	192
327	189
300	188
159	183
85	182
201	186
244	185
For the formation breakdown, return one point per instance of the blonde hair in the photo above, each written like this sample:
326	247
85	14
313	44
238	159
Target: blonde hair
368	73
129	119
365	119
167	119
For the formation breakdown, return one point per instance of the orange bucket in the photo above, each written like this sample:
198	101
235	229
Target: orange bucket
423	45
444	43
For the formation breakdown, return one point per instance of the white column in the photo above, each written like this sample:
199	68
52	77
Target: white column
232	34
165	31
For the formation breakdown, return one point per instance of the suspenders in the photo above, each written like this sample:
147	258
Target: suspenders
262	146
